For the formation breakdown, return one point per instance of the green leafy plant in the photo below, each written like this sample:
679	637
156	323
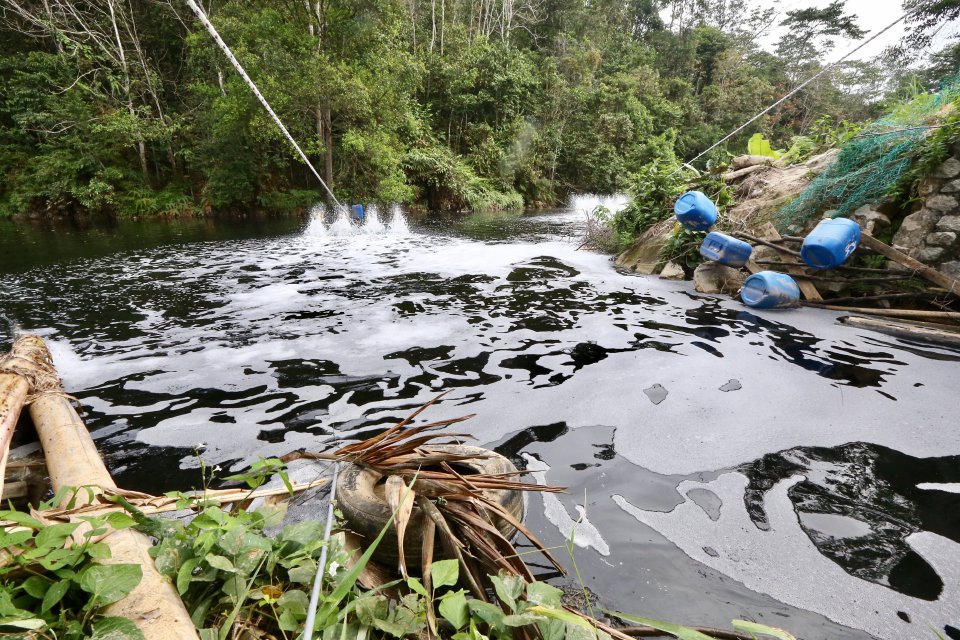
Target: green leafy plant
760	146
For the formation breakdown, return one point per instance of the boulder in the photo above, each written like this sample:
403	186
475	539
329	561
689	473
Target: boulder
643	254
673	271
913	230
927	187
869	219
940	202
949	169
941	238
951	268
713	277
948	223
951	187
930	254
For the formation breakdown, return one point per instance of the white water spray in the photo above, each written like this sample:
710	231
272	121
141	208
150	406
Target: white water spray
343	223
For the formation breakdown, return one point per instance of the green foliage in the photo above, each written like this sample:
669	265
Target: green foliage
760	146
653	191
66	586
393	102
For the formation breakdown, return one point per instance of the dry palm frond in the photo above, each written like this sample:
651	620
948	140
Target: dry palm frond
460	510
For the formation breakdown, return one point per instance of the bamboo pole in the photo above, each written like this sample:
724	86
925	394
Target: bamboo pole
14	390
895	313
73	461
902	330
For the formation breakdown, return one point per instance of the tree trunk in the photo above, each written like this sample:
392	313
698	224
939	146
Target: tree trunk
328	145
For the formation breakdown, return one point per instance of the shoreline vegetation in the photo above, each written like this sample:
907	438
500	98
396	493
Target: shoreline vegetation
130	109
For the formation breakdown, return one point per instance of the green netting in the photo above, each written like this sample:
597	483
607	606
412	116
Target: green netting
870	165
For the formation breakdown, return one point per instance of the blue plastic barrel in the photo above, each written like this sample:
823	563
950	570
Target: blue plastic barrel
830	243
725	249
357	211
770	290
695	211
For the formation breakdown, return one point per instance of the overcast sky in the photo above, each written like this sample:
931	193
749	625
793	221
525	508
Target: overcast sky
872	16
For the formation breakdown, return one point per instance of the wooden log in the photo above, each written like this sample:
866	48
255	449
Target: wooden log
904	330
73	461
951	284
893	313
808	289
740	173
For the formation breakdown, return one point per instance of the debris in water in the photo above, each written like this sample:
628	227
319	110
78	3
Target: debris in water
657	393
732	385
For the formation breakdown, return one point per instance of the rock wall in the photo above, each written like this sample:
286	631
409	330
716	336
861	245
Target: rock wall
932	233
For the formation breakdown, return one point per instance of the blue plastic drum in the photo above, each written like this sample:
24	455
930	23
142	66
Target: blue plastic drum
725	249
830	243
695	211
770	290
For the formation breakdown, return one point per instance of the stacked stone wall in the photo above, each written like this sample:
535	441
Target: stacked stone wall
932	233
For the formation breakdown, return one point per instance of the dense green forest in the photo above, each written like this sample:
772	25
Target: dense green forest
128	107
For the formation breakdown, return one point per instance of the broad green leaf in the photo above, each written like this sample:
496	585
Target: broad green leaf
22	519
417	587
185	574
756	627
31	624
444	573
295	601
560	614
508	589
303	573
53	536
115	628
54	595
489	613
208	634
684	633
36	586
108	583
522	619
99	551
219	562
119	520
302	533
545	594
15	539
453	607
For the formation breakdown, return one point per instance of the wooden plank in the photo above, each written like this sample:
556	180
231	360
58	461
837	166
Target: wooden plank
806	287
904	330
951	284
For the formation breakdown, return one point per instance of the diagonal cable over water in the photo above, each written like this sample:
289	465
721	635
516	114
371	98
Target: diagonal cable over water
797	88
253	87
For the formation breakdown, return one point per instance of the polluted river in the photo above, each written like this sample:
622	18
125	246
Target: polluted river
721	462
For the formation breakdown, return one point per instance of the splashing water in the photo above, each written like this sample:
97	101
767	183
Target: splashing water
398	222
343	223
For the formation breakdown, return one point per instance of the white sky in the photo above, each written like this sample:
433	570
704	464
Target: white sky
872	16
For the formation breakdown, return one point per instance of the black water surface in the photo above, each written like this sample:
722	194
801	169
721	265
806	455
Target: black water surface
253	338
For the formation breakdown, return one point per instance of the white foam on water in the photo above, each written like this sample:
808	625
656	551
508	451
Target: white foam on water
587	202
342	225
371	221
583	532
949	487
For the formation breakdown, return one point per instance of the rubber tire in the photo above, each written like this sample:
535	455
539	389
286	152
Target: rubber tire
361	500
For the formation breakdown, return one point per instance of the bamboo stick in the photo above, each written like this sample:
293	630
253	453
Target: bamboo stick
13	393
895	313
73	461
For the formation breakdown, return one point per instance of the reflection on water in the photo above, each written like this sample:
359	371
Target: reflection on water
257	338
859	503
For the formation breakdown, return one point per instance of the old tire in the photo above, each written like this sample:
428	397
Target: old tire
360	497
